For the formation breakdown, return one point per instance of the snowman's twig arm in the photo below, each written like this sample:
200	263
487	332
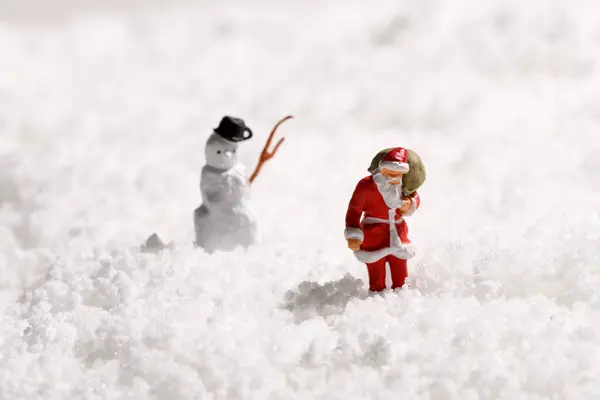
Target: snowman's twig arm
265	155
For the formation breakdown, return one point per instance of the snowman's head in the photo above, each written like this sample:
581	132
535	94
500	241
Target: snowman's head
220	153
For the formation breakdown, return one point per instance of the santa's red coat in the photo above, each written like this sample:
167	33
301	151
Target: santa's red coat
367	200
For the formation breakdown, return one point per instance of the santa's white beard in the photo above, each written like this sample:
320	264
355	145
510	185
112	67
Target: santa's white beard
392	194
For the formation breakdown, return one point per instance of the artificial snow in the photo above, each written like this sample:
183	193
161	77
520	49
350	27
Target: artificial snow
103	119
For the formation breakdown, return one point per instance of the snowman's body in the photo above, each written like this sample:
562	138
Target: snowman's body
225	220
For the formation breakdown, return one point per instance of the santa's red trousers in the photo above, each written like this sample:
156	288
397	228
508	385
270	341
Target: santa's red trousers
376	270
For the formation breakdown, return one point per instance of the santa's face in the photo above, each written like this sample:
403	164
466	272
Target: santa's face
393	177
220	153
391	192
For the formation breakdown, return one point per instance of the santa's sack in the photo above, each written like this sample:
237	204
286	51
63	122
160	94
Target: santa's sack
413	179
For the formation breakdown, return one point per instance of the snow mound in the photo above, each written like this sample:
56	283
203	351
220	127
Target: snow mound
315	299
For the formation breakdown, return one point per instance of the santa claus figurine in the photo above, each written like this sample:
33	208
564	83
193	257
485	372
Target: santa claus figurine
376	229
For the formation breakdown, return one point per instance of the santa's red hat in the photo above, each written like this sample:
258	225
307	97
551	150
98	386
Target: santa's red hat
396	160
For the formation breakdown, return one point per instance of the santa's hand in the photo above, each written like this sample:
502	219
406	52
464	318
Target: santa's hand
354	244
407	203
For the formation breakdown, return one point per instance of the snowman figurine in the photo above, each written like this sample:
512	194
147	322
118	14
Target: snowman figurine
225	220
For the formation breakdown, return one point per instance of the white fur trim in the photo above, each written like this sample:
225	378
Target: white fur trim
353	233
403	251
368	257
412	209
373	220
394	166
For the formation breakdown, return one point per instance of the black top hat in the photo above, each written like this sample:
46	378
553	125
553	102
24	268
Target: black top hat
233	129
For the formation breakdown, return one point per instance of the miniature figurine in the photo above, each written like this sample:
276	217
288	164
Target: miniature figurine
225	219
385	198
